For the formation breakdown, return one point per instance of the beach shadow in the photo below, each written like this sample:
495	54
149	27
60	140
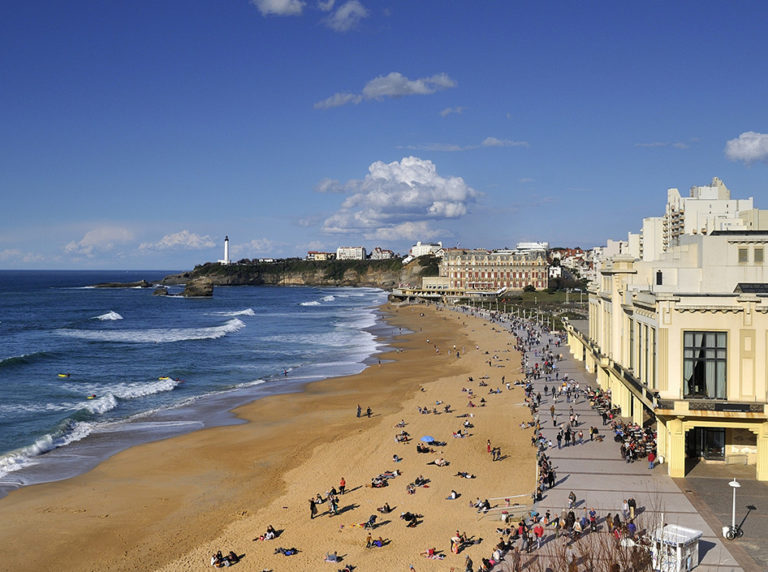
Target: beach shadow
382	523
347	508
502	457
354	489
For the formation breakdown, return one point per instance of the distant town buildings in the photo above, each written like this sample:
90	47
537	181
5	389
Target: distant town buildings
316	255
350	253
379	253
425	248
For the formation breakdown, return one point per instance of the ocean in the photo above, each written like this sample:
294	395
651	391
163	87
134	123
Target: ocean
86	372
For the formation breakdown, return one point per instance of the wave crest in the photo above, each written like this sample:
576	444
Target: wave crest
246	312
111	315
157	335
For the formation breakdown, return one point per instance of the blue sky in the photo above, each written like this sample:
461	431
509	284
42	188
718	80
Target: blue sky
137	134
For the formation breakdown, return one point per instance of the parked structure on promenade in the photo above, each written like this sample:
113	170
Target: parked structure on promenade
681	337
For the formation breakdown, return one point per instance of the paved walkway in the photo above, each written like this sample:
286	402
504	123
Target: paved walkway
599	477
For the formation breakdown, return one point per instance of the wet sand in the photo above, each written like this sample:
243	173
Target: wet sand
168	505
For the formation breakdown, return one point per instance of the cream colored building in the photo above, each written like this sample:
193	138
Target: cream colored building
683	340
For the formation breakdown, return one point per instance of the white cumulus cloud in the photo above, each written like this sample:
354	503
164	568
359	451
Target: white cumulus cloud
182	240
391	85
401	199
748	147
101	239
346	16
279	7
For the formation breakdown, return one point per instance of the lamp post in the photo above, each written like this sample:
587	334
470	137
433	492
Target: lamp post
734	485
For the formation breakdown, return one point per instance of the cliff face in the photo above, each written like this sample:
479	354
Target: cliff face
385	274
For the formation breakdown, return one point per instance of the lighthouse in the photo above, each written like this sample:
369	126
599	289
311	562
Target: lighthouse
226	251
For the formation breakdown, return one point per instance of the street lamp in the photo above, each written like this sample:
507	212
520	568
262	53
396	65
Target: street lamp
731	533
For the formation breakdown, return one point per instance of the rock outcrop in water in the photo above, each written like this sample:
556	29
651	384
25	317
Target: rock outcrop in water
139	284
201	287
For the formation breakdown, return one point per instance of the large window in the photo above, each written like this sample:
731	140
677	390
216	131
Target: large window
704	364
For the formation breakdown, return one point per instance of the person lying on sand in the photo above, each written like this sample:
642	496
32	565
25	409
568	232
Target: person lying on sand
285	551
464	475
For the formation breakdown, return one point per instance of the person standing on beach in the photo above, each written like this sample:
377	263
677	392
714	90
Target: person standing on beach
342	485
368	412
312	508
359	410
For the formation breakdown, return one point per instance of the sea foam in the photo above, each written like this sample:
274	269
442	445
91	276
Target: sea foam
111	315
156	335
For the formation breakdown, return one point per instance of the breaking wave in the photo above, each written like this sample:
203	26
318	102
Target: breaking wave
111	315
157	335
246	312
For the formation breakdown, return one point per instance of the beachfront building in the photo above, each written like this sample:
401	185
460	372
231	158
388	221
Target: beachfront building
480	270
350	253
379	253
317	255
682	340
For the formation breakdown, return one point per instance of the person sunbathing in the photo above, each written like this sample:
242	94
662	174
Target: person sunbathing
440	462
464	475
384	509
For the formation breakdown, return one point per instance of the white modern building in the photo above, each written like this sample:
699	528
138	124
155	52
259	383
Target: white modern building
350	253
425	248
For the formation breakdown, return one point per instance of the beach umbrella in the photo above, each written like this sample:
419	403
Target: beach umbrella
427	438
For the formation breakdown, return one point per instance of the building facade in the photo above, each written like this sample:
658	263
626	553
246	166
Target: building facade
484	270
379	253
350	253
316	255
425	248
682	340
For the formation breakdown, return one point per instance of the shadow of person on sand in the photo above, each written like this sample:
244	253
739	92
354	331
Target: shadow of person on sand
347	508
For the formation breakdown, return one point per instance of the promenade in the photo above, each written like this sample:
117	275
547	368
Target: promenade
602	480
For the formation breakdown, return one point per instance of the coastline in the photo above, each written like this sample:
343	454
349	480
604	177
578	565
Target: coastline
164	504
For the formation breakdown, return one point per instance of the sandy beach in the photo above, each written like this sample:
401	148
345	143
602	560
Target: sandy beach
169	505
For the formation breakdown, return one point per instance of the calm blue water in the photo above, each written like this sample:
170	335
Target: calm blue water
154	366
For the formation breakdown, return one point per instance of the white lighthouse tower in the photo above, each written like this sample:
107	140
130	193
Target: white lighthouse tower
226	251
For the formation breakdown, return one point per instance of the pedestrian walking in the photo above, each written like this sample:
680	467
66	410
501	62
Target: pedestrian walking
368	412
312	508
651	459
359	410
571	499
